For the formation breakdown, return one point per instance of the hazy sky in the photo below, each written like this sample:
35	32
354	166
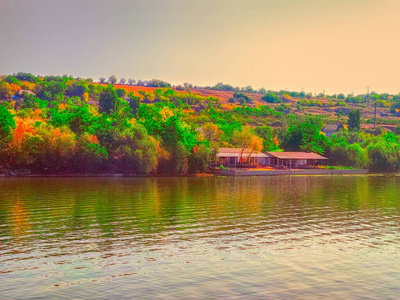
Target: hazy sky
331	45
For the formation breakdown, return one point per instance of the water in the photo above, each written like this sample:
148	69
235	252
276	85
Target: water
321	237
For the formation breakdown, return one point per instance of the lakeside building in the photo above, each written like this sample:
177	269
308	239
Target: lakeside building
230	157
296	159
234	156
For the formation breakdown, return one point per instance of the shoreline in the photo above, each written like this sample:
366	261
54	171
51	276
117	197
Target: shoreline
116	175
291	172
224	173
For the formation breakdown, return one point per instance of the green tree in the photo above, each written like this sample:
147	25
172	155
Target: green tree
108	99
135	151
134	103
271	98
354	120
112	79
269	138
7	123
90	156
121	93
199	160
305	137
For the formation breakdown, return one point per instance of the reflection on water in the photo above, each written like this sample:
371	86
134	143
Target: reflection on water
253	237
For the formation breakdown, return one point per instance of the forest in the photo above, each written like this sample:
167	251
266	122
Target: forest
67	125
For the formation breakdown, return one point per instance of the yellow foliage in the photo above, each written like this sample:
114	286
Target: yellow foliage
287	97
256	144
162	153
37	112
93	111
14	88
166	113
57	140
85	97
62	106
93	139
26	85
23	129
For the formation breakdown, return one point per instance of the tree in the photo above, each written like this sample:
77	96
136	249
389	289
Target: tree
200	158
121	93
354	120
26	77
134	103
55	149
76	89
131	81
90	156
270	141
5	90
146	96
122	81
256	145
246	140
271	98
345	154
262	91
135	150
341	96
211	132
108	99
52	90
7	123
102	80
242	98
305	137
112	79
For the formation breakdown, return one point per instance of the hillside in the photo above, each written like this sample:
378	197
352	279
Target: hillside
61	124
327	108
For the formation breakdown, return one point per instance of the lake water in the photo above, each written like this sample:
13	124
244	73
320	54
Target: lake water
321	237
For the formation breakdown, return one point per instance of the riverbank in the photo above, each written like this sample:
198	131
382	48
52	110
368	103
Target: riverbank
100	175
215	172
247	172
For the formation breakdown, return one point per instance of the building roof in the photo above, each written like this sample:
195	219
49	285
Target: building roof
235	152
332	127
296	155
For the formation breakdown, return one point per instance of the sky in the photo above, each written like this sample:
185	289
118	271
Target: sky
314	45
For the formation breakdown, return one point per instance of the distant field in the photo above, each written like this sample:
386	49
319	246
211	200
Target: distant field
222	95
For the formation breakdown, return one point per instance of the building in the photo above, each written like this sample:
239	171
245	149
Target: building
230	157
331	129
295	159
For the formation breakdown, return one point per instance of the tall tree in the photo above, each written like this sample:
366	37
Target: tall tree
354	120
246	140
134	103
108	99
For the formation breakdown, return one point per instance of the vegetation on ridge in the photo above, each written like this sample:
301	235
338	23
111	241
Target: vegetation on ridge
60	124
